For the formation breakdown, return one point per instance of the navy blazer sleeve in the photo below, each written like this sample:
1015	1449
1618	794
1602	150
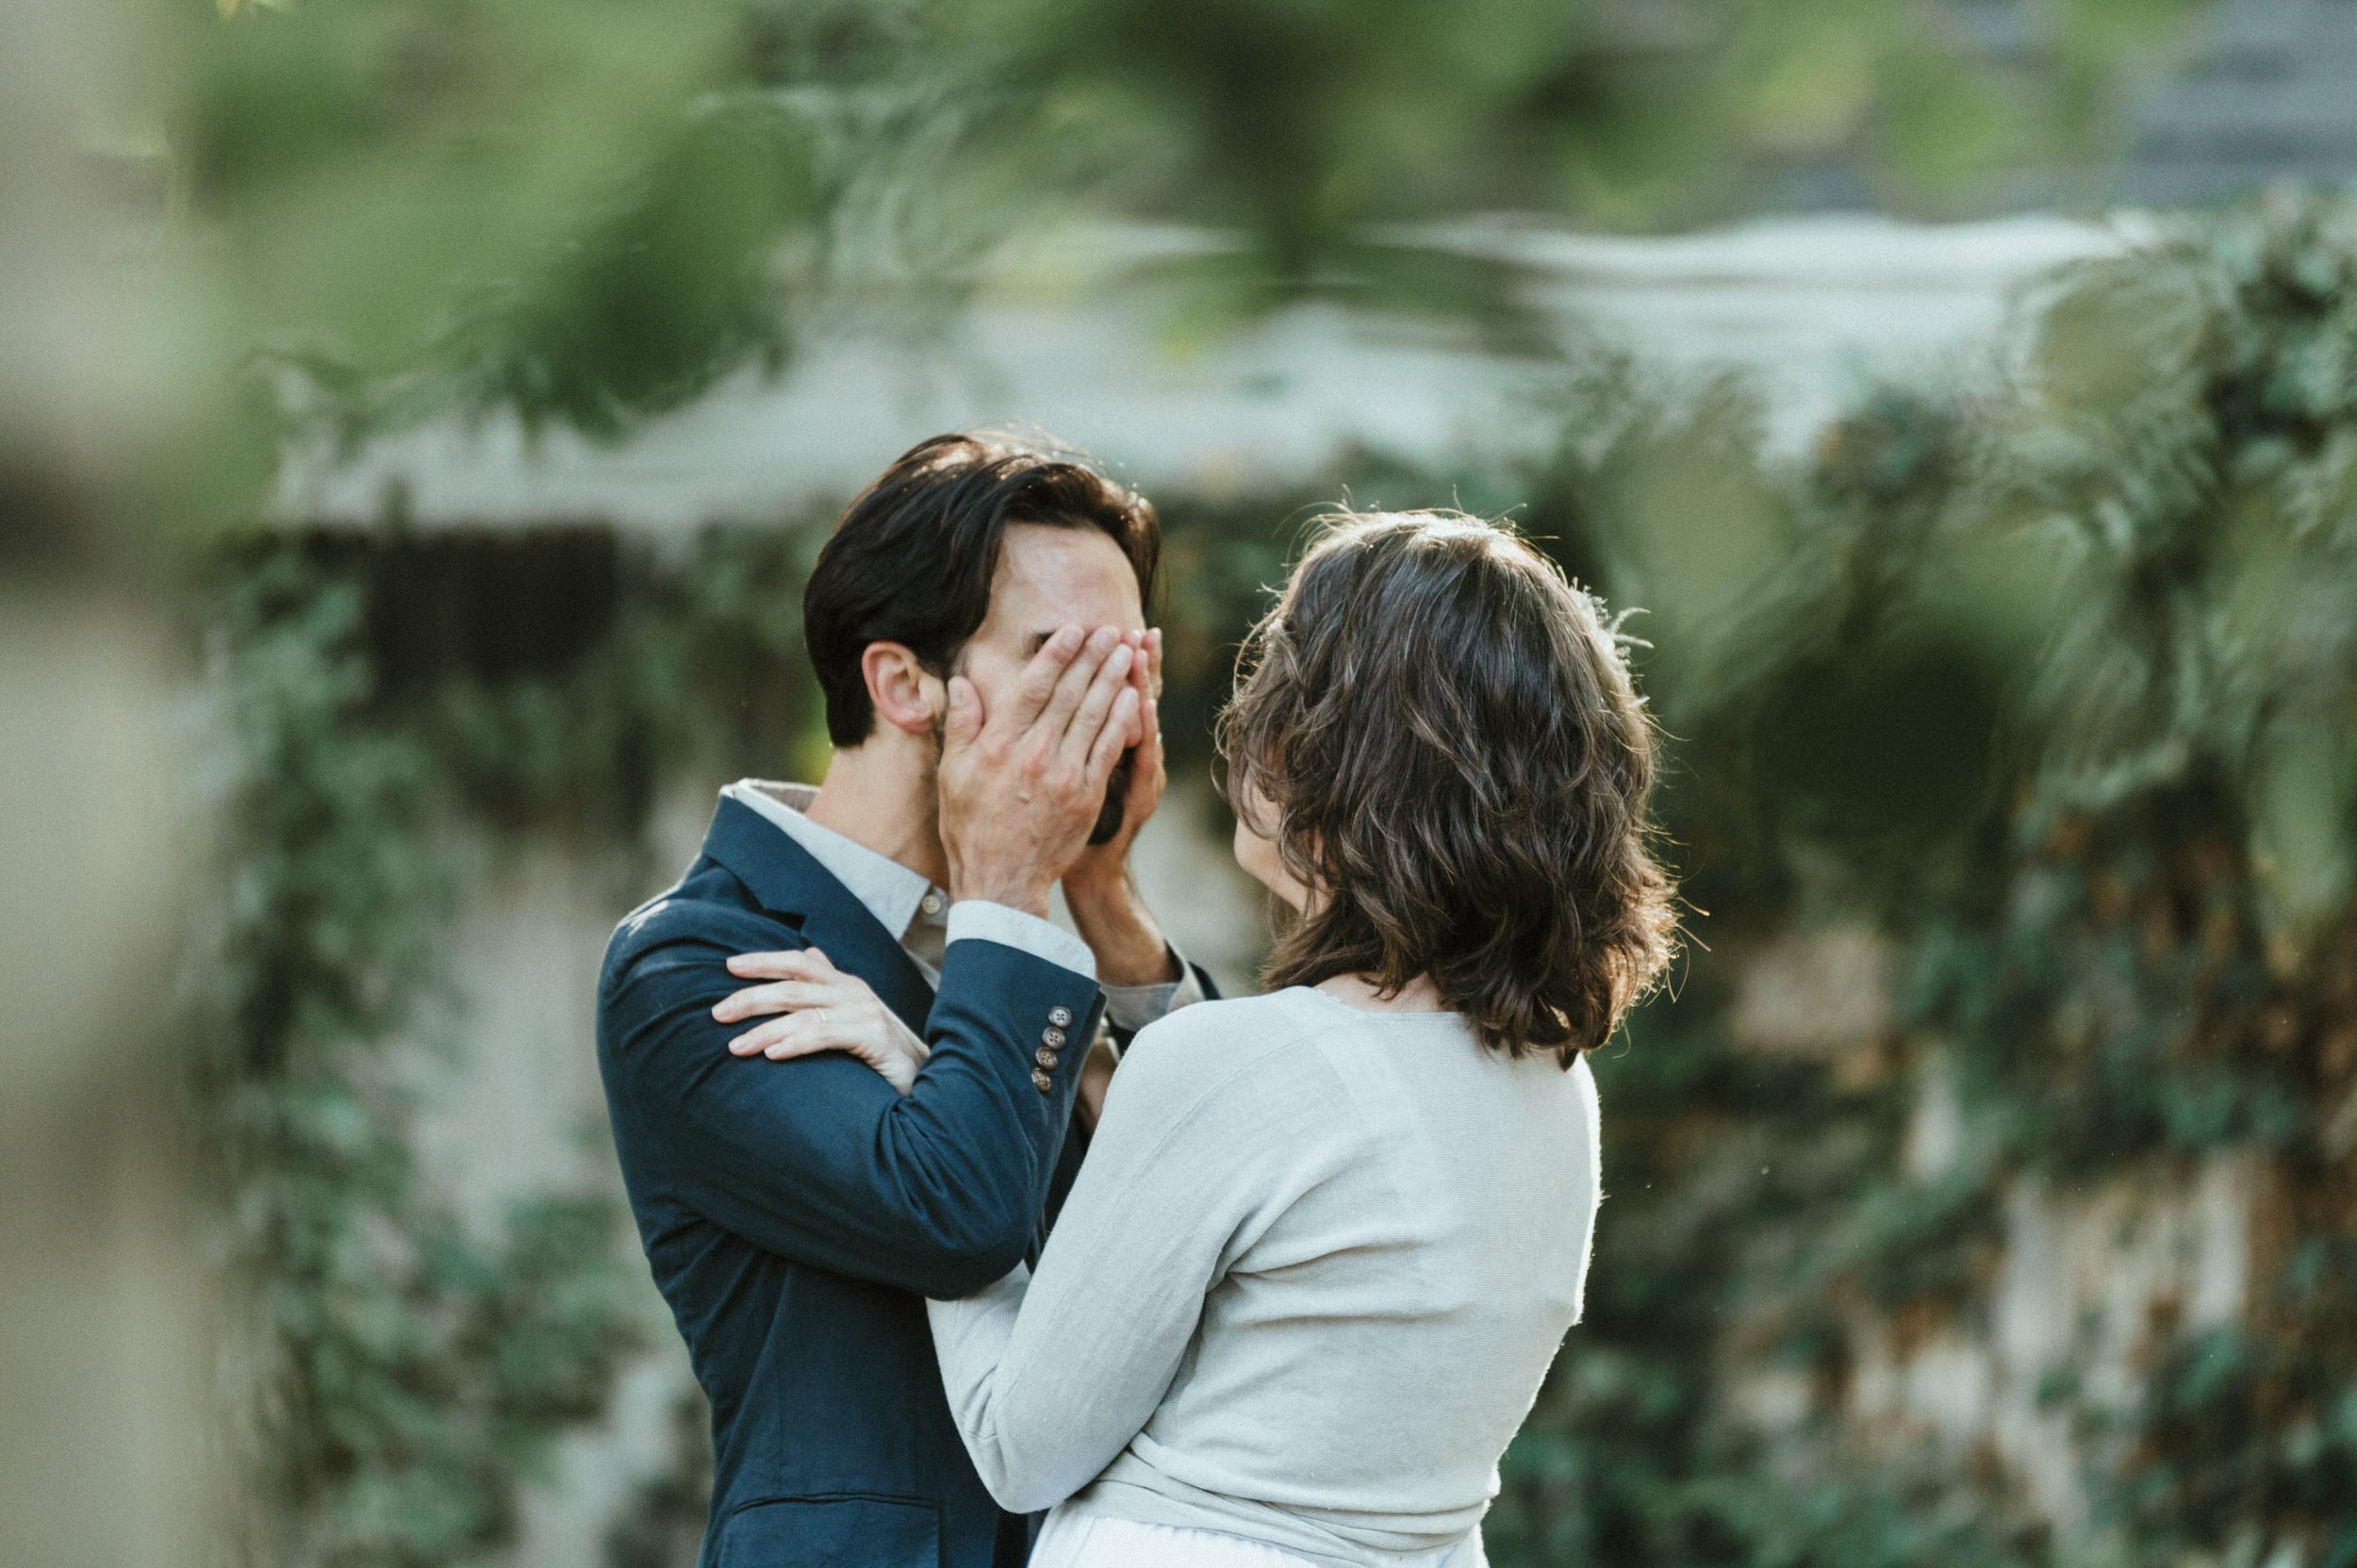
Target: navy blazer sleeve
817	1158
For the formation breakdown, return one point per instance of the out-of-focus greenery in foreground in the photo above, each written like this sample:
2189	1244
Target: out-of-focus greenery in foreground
2052	684
589	212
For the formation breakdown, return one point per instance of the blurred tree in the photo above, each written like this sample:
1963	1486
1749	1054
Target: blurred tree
2053	679
105	1363
588	212
2167	967
396	1376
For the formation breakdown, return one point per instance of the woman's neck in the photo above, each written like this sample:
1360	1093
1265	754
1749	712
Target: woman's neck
1418	995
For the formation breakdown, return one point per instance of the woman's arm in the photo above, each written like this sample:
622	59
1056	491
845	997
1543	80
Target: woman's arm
811	1007
1050	1375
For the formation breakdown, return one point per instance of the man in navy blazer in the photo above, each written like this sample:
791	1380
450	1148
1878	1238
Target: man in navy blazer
896	1125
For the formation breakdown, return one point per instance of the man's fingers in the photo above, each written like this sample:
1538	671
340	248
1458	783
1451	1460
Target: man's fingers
1112	740
1150	741
1143	676
1038	684
1089	715
964	722
1149	709
1073	686
1138	678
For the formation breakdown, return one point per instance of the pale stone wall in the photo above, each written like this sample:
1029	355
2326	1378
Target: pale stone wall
2087	1281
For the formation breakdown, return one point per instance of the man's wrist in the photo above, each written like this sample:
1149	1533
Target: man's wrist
1023	889
1033	901
1113	920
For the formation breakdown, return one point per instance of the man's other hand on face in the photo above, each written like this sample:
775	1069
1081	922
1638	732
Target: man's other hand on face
1022	786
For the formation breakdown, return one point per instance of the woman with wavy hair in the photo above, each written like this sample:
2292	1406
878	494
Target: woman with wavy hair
1327	1240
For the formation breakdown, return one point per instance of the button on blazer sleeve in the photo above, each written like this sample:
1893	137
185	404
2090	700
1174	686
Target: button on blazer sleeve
819	1159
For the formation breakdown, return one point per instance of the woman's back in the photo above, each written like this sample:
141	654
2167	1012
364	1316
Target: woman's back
1323	1256
1318	1258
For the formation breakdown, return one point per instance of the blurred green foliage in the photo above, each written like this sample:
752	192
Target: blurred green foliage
2009	673
590	212
399	1376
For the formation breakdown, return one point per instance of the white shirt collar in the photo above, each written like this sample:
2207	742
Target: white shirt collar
888	890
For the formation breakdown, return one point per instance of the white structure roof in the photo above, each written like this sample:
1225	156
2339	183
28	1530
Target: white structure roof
1811	305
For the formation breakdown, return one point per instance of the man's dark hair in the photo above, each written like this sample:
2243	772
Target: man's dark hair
1441	736
913	558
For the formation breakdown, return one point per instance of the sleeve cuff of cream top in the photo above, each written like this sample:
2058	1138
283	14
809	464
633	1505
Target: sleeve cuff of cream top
982	922
1130	1008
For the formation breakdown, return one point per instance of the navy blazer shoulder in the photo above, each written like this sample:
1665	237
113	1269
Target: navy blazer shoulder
796	1215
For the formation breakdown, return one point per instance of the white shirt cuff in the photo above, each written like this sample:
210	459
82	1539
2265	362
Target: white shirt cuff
1130	1008
984	922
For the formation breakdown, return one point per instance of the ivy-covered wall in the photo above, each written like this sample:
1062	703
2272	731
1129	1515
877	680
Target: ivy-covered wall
2013	776
391	708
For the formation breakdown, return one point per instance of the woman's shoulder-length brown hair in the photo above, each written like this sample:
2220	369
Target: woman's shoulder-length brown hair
1443	731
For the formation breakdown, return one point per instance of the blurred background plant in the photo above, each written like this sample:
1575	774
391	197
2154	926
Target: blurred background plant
1982	1192
588	213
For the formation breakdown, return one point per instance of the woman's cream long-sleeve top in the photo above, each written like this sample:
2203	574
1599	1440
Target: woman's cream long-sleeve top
1304	1290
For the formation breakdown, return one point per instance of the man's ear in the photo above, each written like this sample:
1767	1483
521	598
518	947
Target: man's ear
907	695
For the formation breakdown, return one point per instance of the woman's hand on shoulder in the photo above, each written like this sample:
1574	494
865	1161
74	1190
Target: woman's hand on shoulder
812	1006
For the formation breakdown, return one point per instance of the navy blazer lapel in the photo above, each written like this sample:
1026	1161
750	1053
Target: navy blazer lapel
791	885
